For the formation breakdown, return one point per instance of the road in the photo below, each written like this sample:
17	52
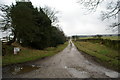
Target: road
70	63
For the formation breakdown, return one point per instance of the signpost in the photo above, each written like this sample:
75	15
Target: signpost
16	50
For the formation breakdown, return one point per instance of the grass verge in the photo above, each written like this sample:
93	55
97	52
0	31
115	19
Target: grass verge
28	54
104	55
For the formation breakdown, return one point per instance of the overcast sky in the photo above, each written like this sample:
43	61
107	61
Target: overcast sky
72	18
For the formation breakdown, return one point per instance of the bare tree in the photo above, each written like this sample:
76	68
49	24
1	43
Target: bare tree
90	5
51	14
5	17
6	21
112	9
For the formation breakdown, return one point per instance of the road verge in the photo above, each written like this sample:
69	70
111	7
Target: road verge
101	54
29	54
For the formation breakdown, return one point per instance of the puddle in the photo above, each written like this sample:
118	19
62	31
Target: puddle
112	74
22	69
65	66
79	74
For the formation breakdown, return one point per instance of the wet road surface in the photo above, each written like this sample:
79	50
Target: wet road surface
69	63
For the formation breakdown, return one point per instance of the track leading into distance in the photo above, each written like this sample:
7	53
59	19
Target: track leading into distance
69	63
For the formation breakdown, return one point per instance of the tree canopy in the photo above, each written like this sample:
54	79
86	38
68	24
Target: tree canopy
32	26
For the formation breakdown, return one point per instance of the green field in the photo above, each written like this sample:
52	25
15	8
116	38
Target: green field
107	56
28	54
111	37
103	37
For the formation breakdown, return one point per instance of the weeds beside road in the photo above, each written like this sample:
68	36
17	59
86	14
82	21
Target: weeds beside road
104	55
28	54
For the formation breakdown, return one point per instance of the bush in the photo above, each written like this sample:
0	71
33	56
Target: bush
7	49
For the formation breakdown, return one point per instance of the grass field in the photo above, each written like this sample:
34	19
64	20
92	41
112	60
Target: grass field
103	37
28	54
107	56
111	37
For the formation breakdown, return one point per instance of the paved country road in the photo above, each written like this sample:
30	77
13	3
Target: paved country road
69	63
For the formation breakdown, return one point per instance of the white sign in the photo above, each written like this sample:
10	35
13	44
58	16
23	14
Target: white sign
16	50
